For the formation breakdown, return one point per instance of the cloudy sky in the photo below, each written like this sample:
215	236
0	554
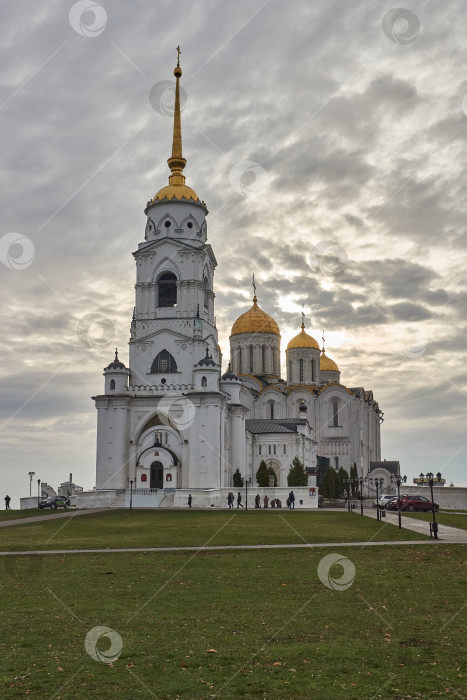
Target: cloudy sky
328	140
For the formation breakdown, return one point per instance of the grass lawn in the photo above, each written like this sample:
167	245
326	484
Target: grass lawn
253	624
26	513
451	519
158	528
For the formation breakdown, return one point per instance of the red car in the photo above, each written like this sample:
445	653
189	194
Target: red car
412	503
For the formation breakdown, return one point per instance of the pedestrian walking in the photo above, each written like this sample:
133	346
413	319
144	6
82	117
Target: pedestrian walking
7	502
239	500
257	500
266	501
189	500
291	500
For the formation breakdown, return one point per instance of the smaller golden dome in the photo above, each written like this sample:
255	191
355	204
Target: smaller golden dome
326	364
255	321
177	191
303	340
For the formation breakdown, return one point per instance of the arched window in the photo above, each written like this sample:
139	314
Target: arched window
271	410
144	477
112	384
168	477
240	360
167	290
312	371
204	382
206	292
251	358
163	363
335	414
301	370
263	359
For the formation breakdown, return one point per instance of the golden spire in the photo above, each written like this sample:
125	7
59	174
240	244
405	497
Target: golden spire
177	162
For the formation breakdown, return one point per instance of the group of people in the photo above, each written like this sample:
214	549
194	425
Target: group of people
275	503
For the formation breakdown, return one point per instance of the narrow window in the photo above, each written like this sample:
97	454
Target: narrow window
240	360
263	359
167	290
271	410
206	292
163	363
251	358
204	382
112	384
269	449
274	449
259	449
301	370
336	460
285	449
312	371
335	414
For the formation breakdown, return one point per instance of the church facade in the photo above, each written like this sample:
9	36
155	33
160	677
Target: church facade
172	420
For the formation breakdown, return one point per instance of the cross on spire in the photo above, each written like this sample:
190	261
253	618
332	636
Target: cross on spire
322	337
303	318
254	288
178	56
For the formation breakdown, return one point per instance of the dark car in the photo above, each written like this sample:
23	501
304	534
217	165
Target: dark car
391	504
55	502
419	503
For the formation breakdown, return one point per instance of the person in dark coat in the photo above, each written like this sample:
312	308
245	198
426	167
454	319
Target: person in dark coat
266	501
291	500
189	500
7	502
257	499
239	500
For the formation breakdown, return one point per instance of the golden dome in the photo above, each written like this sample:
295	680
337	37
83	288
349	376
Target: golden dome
326	364
255	321
303	340
178	191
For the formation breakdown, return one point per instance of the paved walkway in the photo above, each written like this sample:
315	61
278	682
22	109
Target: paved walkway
314	545
445	533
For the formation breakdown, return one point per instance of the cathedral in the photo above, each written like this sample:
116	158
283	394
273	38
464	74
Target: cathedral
172	423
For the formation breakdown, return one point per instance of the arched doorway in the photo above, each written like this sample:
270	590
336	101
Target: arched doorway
157	476
277	470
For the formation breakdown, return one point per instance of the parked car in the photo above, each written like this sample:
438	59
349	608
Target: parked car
419	503
55	502
391	504
382	500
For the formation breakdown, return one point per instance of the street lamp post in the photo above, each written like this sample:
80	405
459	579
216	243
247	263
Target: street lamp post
433	509
131	493
30	474
361	495
38	492
398	479
247	483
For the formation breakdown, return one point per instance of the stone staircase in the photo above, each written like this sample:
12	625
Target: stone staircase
168	500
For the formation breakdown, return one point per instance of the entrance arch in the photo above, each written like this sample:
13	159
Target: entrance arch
277	471
156	479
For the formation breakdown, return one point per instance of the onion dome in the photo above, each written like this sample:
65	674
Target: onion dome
326	364
207	361
176	189
116	364
303	340
229	375
255	321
